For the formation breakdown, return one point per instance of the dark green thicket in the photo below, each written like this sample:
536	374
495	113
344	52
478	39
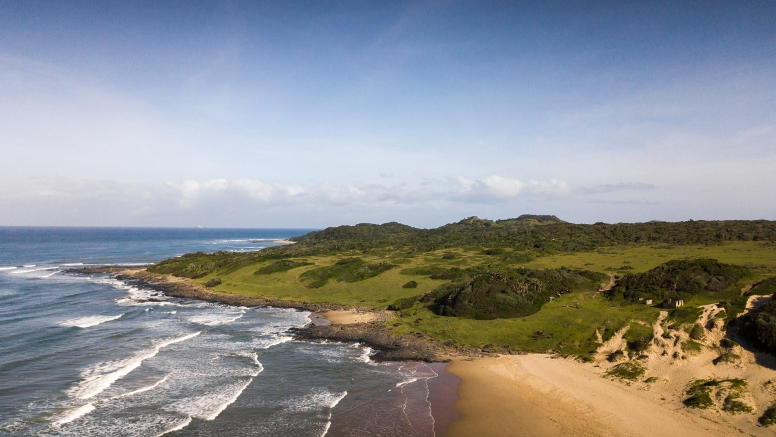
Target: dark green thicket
678	279
345	270
759	327
507	293
410	284
281	266
543	234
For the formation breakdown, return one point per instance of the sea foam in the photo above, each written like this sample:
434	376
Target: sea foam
94	385
73	414
87	322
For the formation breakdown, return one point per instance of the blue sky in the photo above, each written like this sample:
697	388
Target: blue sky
311	114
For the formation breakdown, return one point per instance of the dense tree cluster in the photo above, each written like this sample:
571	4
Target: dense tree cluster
678	279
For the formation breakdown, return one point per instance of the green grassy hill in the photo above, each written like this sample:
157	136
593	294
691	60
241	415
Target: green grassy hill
529	283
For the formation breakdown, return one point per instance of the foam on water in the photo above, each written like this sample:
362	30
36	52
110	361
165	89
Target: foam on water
216	319
143	389
73	414
183	423
87	322
209	406
93	385
7	268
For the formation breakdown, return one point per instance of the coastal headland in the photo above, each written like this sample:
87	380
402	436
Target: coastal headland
553	328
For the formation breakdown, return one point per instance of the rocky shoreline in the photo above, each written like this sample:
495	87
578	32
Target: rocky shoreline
388	346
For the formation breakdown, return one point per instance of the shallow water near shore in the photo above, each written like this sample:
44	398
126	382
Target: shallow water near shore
89	355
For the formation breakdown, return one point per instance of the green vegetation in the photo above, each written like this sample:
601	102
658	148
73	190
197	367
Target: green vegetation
631	371
701	394
727	357
765	287
679	279
769	416
480	282
507	293
697	332
344	270
213	282
281	266
691	346
759	327
638	337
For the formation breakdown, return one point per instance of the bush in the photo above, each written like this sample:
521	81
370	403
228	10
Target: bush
765	287
403	304
345	270
213	282
632	371
638	337
411	284
281	266
678	279
727	357
697	332
691	346
759	327
769	417
699	400
733	406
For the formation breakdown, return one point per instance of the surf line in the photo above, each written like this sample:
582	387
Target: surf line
95	385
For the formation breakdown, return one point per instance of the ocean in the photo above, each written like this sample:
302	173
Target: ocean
88	355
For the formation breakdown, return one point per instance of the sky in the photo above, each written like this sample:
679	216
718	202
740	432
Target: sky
321	113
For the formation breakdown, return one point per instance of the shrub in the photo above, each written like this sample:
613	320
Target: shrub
769	417
403	304
759	327
631	371
727	357
345	270
411	284
678	279
698	332
213	282
691	346
281	266
733	406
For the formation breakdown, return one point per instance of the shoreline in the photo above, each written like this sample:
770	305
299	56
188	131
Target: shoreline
328	323
544	395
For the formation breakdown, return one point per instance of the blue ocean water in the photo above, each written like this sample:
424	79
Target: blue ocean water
88	355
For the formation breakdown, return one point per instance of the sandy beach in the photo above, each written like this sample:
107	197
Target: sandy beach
541	395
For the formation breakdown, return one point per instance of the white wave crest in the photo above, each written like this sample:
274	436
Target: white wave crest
403	383
216	319
143	389
94	385
184	423
7	268
73	414
87	322
208	407
365	356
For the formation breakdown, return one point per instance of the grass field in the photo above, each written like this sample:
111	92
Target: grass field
567	325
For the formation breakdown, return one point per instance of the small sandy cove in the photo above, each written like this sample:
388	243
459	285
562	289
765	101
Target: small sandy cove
345	317
544	395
